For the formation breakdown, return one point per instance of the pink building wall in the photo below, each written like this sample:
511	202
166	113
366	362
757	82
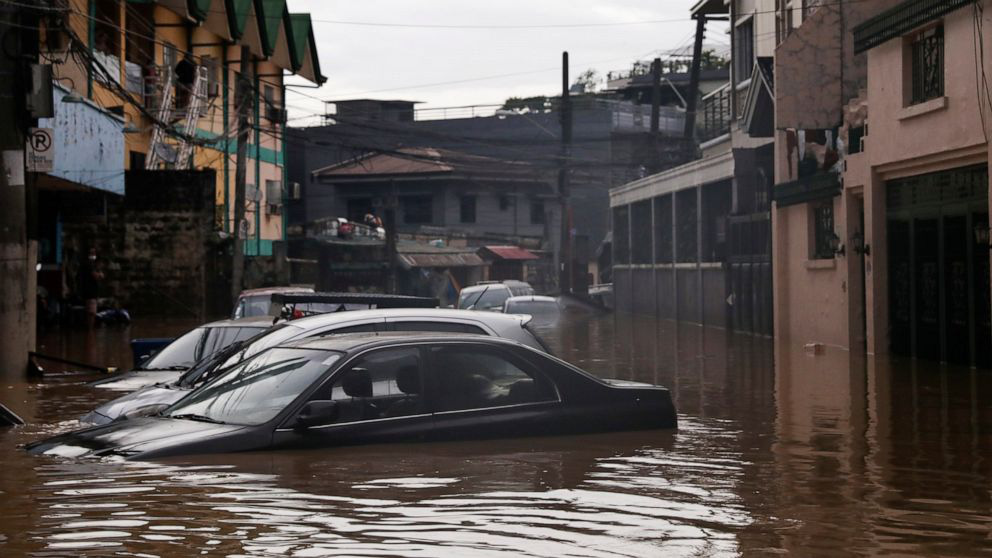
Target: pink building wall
819	301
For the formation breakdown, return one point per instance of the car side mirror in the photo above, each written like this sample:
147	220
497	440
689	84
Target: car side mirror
317	413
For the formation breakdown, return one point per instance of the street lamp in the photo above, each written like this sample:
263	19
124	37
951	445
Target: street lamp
835	245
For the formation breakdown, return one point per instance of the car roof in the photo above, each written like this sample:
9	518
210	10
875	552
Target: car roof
270	290
354	341
532	298
492	318
254	321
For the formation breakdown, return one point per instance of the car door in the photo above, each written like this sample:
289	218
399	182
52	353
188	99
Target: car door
378	397
482	391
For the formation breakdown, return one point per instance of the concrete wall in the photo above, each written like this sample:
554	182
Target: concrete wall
157	245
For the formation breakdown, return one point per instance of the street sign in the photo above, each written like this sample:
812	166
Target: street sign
40	150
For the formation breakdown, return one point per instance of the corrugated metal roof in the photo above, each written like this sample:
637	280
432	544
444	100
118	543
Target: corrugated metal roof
464	259
510	252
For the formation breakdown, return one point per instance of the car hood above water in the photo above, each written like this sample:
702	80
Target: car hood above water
144	435
151	398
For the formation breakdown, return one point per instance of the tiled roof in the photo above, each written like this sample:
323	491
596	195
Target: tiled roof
424	161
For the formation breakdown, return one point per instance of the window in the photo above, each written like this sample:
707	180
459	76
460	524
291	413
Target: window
504	203
537	216
927	55
472	379
467	209
383	384
823	231
743	54
417	210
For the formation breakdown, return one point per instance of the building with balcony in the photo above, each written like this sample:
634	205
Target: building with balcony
692	243
145	95
881	240
166	71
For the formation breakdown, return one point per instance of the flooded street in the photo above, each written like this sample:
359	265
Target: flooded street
778	451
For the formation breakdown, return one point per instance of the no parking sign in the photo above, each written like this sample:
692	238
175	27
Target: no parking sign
40	150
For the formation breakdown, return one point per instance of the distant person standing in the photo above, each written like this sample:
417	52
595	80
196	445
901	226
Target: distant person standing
88	283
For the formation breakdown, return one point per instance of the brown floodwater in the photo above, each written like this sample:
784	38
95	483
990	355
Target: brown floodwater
778	452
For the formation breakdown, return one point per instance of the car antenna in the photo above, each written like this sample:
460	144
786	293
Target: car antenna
478	298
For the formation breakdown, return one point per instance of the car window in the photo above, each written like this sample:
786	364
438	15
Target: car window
255	391
358	328
531	307
383	384
471	379
483	299
448	327
249	306
181	353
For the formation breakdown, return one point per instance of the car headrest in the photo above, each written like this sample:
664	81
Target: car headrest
408	379
357	383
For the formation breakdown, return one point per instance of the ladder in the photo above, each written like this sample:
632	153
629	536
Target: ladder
158	133
197	105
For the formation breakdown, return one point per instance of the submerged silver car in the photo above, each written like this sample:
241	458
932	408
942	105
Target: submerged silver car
153	398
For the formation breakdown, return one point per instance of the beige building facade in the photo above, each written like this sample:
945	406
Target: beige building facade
881	205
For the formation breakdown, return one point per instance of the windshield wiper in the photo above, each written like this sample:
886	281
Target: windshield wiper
198	418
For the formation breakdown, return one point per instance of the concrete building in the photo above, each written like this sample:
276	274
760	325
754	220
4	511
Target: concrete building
612	144
692	243
166	71
449	195
881	239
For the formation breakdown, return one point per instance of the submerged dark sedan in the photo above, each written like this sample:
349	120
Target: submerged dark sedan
361	388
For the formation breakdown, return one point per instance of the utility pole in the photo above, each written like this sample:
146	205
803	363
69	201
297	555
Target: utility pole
655	94
565	249
392	201
697	55
243	100
17	273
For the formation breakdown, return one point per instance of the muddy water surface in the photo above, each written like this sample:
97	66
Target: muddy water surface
778	452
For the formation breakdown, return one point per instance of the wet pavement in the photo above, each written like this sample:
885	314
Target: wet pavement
777	452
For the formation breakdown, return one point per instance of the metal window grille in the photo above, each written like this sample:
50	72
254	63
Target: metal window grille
823	231
928	65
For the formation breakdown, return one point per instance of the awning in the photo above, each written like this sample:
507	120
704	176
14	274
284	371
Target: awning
510	252
442	259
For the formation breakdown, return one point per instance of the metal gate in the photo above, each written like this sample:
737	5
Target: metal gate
939	306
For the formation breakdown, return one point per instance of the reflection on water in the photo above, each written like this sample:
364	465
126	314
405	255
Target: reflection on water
777	452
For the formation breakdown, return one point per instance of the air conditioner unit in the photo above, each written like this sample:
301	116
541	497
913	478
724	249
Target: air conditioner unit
295	191
252	193
273	192
272	209
213	89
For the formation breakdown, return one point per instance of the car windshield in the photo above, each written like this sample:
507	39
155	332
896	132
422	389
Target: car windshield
488	297
207	368
272	337
197	344
255	391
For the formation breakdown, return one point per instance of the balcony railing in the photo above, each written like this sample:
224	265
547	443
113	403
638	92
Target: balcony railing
714	114
900	20
815	187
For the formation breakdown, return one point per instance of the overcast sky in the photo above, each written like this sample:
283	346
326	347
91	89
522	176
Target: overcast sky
384	61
